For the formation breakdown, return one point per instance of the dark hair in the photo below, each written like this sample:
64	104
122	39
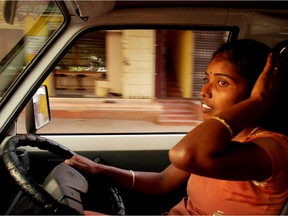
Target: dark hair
250	57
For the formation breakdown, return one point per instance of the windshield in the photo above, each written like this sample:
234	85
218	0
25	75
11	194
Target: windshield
25	26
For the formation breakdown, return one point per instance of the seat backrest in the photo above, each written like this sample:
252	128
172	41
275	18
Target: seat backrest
284	210
282	50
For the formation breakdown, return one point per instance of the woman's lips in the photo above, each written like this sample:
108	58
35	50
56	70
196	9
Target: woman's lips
205	108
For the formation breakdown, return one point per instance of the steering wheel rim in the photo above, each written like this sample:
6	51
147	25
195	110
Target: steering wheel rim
35	191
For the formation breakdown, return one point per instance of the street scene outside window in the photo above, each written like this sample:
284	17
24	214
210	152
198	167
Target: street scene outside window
111	81
131	81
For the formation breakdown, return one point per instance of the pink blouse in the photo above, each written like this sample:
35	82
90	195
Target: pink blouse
219	197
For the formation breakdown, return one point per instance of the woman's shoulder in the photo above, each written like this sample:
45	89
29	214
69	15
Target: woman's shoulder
258	133
274	143
269	139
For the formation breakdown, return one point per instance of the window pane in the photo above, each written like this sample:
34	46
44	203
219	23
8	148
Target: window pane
132	81
34	22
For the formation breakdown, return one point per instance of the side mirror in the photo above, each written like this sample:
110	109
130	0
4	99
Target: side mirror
38	110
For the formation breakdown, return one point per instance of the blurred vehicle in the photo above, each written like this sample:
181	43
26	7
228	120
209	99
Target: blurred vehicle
115	81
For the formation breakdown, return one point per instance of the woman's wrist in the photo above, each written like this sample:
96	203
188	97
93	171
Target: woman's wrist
259	106
244	114
224	123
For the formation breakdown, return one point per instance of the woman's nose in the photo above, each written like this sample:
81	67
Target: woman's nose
206	91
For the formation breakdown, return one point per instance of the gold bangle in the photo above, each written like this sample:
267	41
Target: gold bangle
225	124
133	179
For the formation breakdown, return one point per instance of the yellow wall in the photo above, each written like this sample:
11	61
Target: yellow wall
114	61
184	60
37	33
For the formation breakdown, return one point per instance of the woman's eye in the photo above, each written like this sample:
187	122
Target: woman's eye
223	83
206	80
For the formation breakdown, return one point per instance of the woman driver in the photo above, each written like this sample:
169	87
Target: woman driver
235	162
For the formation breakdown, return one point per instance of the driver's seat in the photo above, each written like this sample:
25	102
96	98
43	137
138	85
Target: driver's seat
284	210
282	50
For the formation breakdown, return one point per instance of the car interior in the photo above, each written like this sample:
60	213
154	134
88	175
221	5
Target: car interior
98	78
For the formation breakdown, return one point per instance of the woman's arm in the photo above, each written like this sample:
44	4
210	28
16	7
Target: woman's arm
208	150
144	182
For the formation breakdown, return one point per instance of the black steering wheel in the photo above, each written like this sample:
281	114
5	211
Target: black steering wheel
35	191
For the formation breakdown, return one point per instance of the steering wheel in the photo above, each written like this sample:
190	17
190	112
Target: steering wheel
35	191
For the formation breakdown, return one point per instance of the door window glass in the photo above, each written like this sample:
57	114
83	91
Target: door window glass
132	81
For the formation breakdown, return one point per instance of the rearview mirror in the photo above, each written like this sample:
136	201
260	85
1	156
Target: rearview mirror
9	10
38	110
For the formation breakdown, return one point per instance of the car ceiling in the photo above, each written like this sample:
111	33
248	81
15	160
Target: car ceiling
209	3
94	8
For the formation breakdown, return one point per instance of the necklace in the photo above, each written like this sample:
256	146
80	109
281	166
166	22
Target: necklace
253	132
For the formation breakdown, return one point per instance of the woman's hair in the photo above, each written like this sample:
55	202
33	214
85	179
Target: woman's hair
250	57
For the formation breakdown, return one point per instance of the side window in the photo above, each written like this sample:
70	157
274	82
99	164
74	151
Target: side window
25	28
131	81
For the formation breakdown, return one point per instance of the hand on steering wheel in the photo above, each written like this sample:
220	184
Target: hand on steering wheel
35	191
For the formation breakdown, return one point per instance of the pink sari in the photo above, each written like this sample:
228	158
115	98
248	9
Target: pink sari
219	197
